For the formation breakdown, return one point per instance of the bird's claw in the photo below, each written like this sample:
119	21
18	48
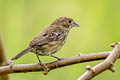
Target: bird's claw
40	63
45	68
58	61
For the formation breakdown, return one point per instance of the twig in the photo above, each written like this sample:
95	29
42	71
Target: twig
20	68
106	64
3	61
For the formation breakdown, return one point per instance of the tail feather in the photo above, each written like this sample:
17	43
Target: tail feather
22	53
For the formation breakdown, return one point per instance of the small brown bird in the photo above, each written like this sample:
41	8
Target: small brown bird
51	39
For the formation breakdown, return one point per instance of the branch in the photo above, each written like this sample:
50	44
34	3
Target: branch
20	68
106	64
3	60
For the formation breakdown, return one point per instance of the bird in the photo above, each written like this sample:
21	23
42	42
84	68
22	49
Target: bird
50	40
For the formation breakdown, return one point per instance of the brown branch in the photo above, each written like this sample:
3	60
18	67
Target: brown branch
106	64
20	68
3	61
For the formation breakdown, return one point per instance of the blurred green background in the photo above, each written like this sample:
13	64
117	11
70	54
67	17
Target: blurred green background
21	20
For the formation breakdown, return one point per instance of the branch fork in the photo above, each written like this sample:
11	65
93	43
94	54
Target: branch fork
108	63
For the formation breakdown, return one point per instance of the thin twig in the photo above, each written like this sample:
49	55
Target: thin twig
106	64
20	68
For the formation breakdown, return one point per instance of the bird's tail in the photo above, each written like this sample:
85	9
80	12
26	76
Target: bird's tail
22	53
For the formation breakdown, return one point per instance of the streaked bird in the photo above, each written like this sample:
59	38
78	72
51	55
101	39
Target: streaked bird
51	39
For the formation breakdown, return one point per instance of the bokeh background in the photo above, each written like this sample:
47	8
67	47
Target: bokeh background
21	20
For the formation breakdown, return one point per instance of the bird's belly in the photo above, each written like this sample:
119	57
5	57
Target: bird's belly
51	47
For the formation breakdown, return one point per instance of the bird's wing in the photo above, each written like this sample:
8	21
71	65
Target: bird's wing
46	36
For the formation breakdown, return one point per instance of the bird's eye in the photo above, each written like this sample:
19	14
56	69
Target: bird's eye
69	21
45	34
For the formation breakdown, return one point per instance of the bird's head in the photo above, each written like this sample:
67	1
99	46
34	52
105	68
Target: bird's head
65	22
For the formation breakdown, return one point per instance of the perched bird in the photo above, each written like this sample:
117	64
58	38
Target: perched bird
51	39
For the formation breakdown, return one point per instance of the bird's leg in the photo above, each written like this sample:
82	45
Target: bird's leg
45	68
40	62
58	58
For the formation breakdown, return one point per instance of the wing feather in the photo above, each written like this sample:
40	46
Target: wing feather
46	36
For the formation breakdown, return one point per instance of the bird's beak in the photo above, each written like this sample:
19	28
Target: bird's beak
74	24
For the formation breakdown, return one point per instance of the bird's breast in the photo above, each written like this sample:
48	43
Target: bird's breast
52	47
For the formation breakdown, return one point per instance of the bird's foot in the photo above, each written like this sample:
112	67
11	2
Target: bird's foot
59	59
45	68
40	63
